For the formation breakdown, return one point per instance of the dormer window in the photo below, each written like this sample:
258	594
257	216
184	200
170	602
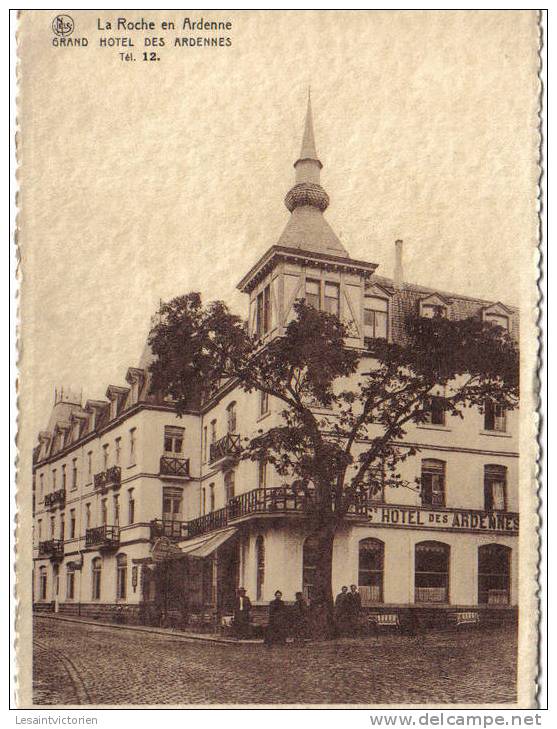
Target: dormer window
376	317
497	315
434	306
500	321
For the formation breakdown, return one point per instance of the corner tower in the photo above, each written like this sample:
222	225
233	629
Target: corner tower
309	261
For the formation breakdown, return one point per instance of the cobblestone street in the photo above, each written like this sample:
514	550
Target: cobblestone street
79	664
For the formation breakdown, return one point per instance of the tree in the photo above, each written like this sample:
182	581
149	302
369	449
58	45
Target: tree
345	411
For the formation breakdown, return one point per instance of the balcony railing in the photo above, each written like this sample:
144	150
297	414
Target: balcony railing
225	447
103	536
431	594
176	467
56	497
53	548
207	522
111	477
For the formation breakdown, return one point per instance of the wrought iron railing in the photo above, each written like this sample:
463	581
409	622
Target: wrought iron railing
51	548
56	497
229	445
102	536
171	466
207	522
111	477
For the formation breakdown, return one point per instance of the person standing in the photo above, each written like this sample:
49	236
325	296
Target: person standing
276	629
300	618
354	608
341	610
242	614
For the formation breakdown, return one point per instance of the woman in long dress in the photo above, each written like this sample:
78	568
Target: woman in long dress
277	627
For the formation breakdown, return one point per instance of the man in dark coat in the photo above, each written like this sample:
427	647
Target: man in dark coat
242	610
354	608
300	618
278	621
342	610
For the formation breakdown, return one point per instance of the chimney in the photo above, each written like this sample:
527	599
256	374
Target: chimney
399	274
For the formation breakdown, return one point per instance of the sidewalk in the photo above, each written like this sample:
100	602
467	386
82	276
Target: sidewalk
172	632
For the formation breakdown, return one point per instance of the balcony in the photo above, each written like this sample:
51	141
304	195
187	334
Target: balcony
53	548
225	448
171	467
105	479
103	537
172	529
56	498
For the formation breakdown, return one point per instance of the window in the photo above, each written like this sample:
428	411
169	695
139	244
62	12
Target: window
52	526
172	504
431	573
41	484
436	411
96	573
213	431
259	566
377	484
39	529
313	293
332	298
310	558
70	582
87	516
431	311
173	439
263	312
203	501
231	417
376	317
263	403
117	450
42	583
262	473
433	482
229	485
116	512
74	474
370	570
205	444
497	320
131	507
105	456
121	576
89	464
62	527
104	512
133	432
494	571
495	487
64	476
54	479
72	524
495	417
212	497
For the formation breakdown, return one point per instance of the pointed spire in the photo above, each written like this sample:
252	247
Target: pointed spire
308	150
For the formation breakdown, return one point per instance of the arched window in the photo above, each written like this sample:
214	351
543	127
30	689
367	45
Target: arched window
121	576
42	583
229	485
260	566
96	578
433	482
494	570
431	572
370	570
231	417
310	558
495	487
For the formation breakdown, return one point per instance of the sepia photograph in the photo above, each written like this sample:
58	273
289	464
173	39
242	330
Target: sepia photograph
277	358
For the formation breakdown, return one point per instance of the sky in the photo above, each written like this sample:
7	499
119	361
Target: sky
142	183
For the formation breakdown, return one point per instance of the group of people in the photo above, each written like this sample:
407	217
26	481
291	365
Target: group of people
284	620
348	606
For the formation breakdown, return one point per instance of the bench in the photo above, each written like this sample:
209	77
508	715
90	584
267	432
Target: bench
384	620
469	617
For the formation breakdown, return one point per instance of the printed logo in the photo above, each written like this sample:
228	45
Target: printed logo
63	25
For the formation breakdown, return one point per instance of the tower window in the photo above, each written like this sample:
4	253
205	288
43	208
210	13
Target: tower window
263	311
313	293
332	298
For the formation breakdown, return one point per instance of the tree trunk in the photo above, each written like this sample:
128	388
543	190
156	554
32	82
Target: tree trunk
322	607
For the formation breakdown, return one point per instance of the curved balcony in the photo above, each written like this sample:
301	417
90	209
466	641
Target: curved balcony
103	537
56	498
112	477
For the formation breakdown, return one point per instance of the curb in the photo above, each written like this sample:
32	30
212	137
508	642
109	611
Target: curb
192	637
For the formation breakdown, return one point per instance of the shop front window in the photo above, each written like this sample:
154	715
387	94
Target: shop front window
494	571
260	566
96	572
121	576
310	559
370	570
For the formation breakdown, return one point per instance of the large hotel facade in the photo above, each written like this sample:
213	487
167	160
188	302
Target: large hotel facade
121	485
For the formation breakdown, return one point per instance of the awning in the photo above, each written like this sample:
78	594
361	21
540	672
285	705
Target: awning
203	547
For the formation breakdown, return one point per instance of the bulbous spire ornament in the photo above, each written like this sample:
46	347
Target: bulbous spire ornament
306	193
